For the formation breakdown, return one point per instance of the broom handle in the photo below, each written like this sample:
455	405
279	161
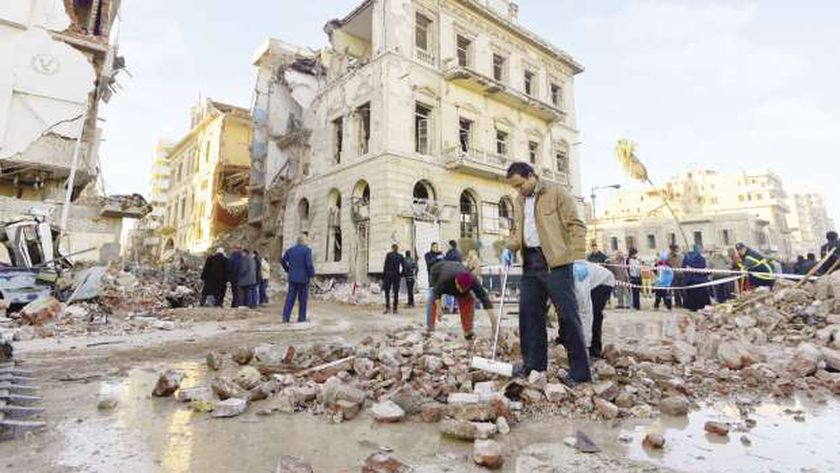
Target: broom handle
501	310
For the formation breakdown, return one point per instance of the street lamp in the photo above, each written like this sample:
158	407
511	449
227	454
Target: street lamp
594	213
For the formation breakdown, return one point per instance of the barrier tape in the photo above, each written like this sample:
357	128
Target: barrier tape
719	271
680	288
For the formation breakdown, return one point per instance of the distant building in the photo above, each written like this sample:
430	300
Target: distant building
716	209
808	221
200	188
401	131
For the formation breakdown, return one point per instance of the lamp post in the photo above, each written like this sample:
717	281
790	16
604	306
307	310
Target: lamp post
592	196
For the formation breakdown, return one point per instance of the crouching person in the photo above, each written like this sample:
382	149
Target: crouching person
593	288
452	278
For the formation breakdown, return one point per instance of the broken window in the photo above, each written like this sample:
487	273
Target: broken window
87	16
338	139
303	216
469	216
334	227
505	215
501	143
530	85
363	122
465	134
651	241
499	63
561	160
464	51
533	151
556	95
422	31
422	116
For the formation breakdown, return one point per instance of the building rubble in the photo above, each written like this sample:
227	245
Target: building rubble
785	344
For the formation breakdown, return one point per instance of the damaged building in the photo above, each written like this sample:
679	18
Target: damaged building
402	129
57	64
200	183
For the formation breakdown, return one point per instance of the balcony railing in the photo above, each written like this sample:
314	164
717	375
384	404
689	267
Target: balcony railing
478	161
425	56
505	93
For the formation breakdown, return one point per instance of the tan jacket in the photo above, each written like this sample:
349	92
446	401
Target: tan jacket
562	233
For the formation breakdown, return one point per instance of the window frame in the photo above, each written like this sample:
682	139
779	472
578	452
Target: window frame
418	119
500	67
427	32
533	152
468	133
502	137
467	50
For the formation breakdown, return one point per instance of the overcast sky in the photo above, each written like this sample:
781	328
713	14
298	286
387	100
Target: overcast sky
728	85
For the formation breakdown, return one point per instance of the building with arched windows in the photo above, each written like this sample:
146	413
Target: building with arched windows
401	131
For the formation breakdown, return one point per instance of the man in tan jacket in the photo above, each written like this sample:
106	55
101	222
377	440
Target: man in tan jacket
551	237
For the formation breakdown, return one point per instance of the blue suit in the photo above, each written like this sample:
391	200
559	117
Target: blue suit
297	261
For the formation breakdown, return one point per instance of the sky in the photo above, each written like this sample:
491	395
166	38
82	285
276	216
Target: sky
728	85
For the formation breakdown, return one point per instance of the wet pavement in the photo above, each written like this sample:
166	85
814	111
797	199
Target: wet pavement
146	434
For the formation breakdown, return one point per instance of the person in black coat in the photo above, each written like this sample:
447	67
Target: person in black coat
410	273
392	273
453	254
214	276
432	256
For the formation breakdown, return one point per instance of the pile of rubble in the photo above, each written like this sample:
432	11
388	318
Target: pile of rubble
779	344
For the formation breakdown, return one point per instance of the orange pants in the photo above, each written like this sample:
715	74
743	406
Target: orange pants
466	308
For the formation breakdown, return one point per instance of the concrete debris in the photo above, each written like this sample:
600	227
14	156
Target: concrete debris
716	428
242	355
653	441
676	406
385	463
387	411
41	311
197	393
290	464
248	377
231	407
167	383
488	453
108	396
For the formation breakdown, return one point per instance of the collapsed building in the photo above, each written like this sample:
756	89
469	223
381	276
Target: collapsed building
200	183
402	129
58	64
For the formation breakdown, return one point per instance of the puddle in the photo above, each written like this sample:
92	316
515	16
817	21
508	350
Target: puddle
778	442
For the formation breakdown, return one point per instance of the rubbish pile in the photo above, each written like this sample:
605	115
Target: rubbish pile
785	343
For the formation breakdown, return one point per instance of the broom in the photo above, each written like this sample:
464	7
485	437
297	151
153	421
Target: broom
492	365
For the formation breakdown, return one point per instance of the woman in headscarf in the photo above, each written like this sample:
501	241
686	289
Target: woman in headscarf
698	297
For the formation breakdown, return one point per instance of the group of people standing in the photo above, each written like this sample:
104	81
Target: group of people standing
246	273
691	280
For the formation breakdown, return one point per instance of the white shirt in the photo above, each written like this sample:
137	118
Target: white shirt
598	276
532	238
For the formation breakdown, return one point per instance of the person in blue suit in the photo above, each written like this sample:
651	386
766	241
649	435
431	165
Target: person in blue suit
297	261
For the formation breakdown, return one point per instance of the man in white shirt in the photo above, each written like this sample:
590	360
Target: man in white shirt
551	236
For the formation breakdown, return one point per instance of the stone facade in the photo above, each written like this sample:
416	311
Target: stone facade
724	208
420	108
208	171
808	221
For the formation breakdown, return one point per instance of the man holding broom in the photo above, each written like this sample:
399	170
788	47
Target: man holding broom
552	237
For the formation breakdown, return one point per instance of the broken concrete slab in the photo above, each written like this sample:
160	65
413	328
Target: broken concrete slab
230	407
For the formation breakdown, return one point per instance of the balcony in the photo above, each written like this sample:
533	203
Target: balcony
477	162
472	80
424	56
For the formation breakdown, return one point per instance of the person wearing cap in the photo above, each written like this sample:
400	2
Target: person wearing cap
759	268
451	278
552	236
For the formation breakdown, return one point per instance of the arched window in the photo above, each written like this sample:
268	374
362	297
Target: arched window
361	201
334	226
469	216
303	216
423	191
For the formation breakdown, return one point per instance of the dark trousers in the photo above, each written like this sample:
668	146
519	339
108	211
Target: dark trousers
263	291
409	287
235	296
723	292
637	303
300	292
662	295
391	284
537	286
600	296
217	291
679	294
248	296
